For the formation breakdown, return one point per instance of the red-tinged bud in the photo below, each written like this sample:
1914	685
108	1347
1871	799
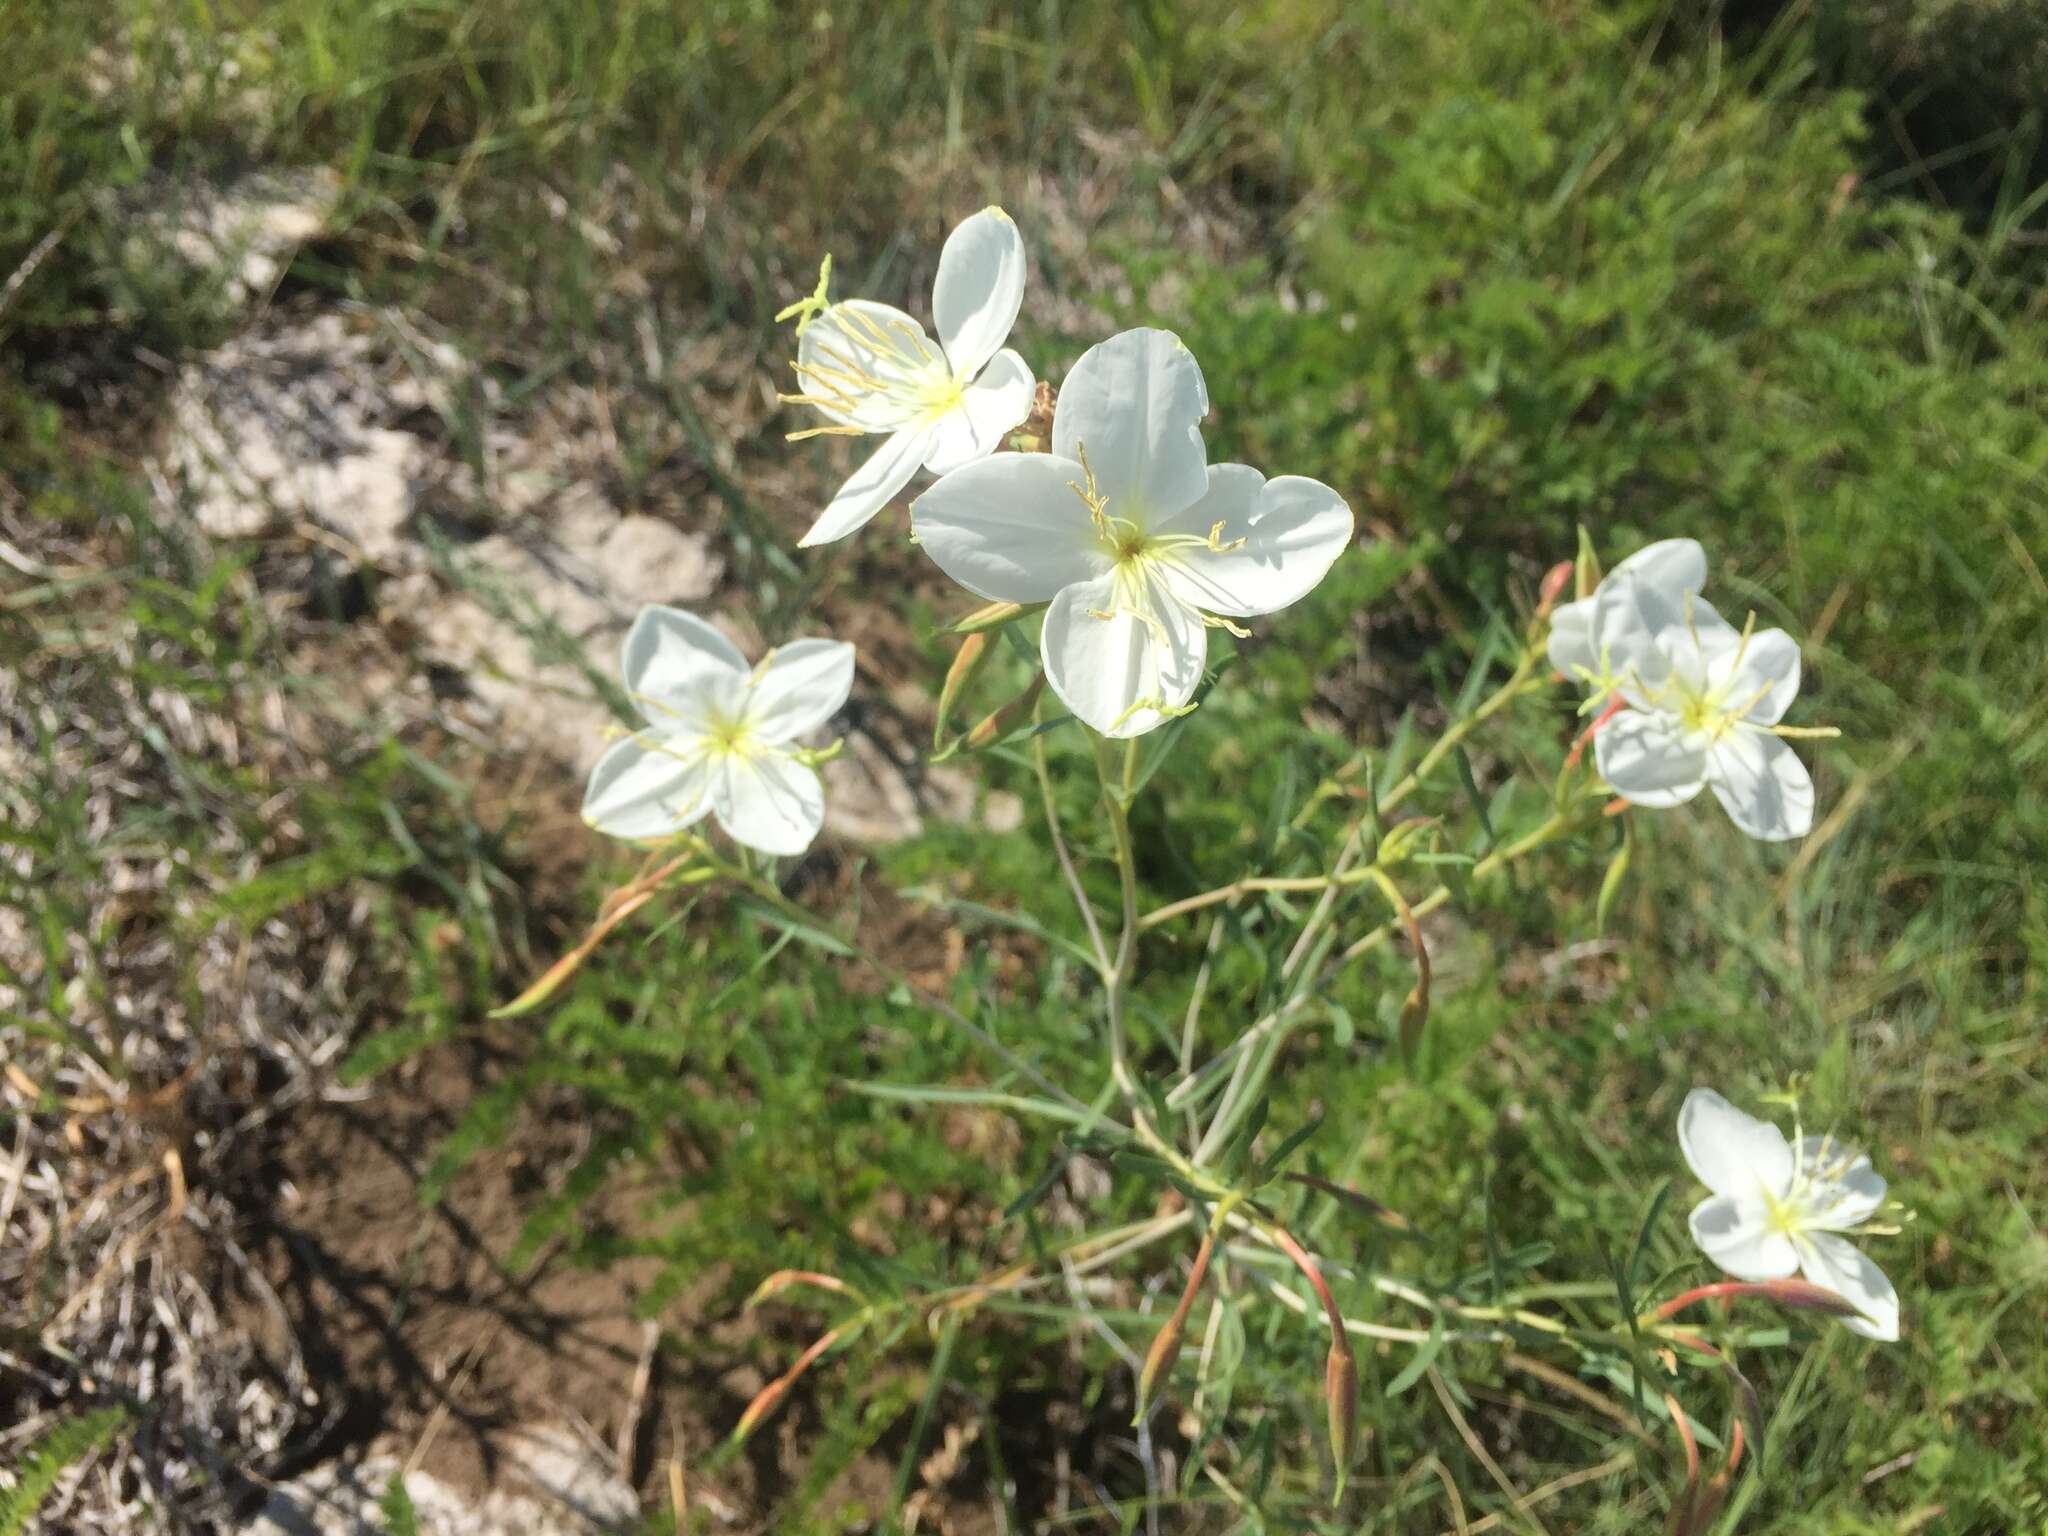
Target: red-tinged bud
1415	1007
769	1397
783	1279
1414	1017
552	979
1340	1398
1799	1295
1000	720
966	662
1555	580
1340	1369
1166	1343
1715	1494
1615	807
1684	1519
994	616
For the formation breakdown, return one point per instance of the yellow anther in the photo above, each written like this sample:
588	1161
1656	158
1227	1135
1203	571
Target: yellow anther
805	310
1216	539
1156	703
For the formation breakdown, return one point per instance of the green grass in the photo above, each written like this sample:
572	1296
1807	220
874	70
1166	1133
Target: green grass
1515	269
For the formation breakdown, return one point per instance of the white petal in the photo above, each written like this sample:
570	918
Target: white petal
1646	759
1292	529
1010	527
1136	402
644	789
871	487
798	687
1151	648
768	801
1840	1266
979	287
678	667
989	407
1649	634
1737	1235
1571	640
1763	675
1846	1190
1732	1153
870	366
1761	783
1672	566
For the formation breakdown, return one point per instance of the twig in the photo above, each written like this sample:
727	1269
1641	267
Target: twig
38	254
1059	847
636	1401
446	1405
1478	1449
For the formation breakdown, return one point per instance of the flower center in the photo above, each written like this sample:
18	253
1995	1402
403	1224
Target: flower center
1788	1215
733	737
1706	711
869	359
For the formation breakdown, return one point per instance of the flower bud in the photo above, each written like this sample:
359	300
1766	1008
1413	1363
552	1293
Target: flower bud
1586	567
994	616
997	721
1166	1344
1340	1398
966	662
766	1400
1799	1295
1414	1017
1554	582
783	1279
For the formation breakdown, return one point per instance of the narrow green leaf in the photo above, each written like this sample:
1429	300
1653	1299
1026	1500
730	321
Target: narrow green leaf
1424	1356
803	933
1471	783
1637	1254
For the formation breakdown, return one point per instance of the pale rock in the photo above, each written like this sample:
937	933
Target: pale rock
241	232
564	1487
869	799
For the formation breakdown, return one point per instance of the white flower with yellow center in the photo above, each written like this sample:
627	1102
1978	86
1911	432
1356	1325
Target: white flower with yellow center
871	368
1136	541
1703	700
1779	1207
720	738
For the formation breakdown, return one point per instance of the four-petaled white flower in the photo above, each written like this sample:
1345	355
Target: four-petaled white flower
1702	699
871	368
1776	1207
1136	541
719	736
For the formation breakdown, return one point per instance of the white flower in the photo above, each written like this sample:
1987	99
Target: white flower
719	736
1702	698
871	368
1776	1207
1130	534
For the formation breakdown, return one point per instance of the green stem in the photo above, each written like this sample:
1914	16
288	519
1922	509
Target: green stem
768	892
1116	979
1268	1030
